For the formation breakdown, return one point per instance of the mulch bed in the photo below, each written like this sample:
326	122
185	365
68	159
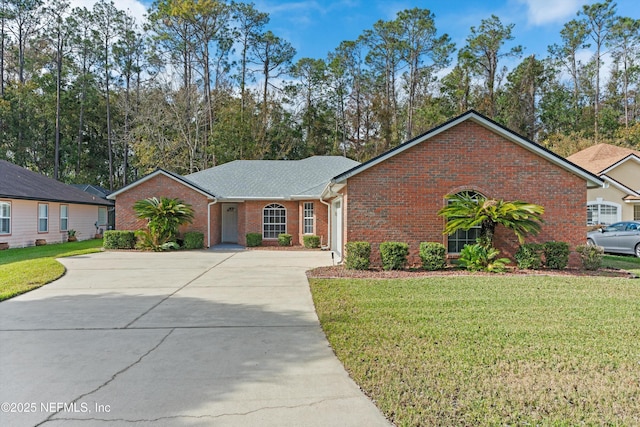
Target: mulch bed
339	271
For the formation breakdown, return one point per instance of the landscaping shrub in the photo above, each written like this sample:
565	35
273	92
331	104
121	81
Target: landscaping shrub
590	256
119	239
433	256
529	256
284	239
193	240
358	255
311	241
254	239
394	255
480	258
556	255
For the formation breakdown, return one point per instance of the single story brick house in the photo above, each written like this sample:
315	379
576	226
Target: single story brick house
619	168
244	196
33	207
393	197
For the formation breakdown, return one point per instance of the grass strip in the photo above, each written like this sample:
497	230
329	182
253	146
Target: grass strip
24	269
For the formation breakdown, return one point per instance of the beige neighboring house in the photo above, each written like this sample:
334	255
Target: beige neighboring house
33	206
619	168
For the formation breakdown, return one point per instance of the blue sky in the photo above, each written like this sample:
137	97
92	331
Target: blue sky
316	27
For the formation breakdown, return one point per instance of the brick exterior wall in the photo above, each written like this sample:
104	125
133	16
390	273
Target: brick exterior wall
158	186
398	199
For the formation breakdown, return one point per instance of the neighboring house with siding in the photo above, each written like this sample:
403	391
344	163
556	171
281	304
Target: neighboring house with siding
619	168
393	197
33	206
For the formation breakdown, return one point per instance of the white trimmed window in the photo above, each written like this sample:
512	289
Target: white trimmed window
308	218
457	240
64	217
274	221
636	213
601	212
102	217
43	218
5	218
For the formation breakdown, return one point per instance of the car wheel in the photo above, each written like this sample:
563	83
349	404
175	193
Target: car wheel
637	251
590	242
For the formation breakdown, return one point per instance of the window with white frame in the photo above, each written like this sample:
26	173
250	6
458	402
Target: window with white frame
5	218
274	221
636	213
458	240
102	216
601	212
308	218
64	217
43	217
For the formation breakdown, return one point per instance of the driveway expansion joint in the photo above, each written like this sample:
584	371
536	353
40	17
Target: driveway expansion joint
110	380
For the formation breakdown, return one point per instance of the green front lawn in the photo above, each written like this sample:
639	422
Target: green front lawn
628	263
489	350
24	269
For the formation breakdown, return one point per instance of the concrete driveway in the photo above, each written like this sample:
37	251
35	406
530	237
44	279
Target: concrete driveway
175	339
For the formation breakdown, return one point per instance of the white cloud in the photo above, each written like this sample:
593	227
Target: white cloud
540	12
133	8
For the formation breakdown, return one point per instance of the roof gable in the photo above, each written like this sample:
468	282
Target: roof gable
495	127
179	178
600	158
17	182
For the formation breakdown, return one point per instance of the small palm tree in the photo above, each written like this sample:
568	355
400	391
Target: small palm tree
165	216
466	210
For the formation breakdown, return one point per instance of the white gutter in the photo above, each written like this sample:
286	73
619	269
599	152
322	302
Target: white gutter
209	221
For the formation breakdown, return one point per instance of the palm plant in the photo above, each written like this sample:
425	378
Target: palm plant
466	210
165	216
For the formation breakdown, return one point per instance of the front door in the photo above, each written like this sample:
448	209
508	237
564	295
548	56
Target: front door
229	223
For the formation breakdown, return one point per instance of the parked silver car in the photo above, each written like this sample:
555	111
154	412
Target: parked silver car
619	238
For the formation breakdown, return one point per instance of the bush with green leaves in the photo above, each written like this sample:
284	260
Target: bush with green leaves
590	256
556	255
119	239
529	256
284	239
193	240
357	255
147	242
480	258
433	256
164	216
394	255
253	240
311	241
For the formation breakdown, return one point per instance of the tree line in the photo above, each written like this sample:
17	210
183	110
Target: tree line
92	96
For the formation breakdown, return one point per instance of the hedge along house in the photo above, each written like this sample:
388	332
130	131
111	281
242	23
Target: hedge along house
269	197
396	196
35	207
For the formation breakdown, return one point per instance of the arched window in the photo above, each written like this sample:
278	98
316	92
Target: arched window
457	240
274	221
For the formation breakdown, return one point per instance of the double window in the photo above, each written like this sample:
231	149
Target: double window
308	218
5	218
274	221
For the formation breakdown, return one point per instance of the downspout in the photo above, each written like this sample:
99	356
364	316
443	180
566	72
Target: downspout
329	219
209	221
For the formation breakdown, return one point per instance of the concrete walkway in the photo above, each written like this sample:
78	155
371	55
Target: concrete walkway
175	339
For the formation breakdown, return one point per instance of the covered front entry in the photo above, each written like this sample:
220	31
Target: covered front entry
229	223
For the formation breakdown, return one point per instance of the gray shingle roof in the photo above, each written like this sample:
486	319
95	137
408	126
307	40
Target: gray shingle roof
272	179
19	183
